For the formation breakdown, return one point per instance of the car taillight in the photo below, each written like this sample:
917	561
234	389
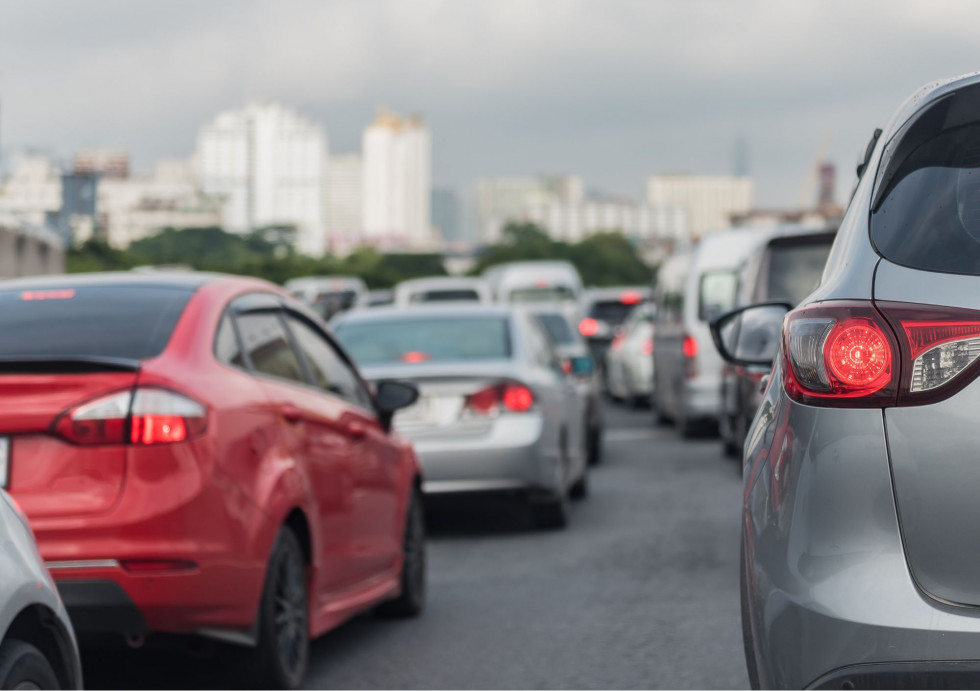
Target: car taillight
648	347
143	416
508	396
690	349
588	327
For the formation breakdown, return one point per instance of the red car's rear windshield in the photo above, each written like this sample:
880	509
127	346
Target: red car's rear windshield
115	321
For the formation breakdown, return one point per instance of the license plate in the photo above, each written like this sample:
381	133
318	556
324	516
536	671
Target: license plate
421	412
4	461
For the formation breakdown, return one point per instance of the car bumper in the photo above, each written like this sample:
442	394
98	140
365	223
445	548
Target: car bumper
638	374
510	456
702	398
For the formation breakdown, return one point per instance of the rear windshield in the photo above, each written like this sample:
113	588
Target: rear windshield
613	312
930	217
436	339
795	270
717	294
121	321
549	294
446	295
558	328
328	304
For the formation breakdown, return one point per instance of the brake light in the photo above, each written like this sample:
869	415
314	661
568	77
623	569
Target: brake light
414	357
588	327
144	417
690	347
630	297
509	396
648	347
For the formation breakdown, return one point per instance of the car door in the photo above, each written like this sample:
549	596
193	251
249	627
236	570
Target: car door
311	436
375	461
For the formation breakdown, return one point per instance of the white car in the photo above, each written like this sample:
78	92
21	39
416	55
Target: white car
442	289
629	360
37	644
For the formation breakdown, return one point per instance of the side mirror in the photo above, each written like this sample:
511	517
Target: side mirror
750	335
582	365
391	397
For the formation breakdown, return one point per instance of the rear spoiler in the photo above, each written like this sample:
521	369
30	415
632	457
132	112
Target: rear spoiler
65	364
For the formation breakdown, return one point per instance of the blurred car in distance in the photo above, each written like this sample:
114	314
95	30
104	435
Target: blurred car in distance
37	644
786	268
441	289
693	287
860	566
535	281
175	441
328	295
629	360
497	413
578	362
376	298
603	311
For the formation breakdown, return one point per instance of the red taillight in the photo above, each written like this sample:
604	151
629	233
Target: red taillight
630	297
143	416
857	356
415	357
588	327
509	396
690	347
648	347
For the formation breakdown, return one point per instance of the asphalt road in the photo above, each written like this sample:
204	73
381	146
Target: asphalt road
641	591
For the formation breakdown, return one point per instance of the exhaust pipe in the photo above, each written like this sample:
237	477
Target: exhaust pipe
135	640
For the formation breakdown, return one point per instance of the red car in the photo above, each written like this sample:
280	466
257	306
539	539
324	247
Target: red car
197	455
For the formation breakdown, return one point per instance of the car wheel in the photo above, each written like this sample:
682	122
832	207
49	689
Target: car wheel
551	515
411	602
747	644
580	489
282	654
22	666
594	442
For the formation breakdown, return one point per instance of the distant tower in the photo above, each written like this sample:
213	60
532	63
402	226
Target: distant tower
828	179
741	159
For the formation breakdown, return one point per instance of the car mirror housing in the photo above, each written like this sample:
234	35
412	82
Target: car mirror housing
750	336
391	397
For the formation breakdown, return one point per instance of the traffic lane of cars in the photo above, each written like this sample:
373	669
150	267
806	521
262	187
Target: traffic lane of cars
640	592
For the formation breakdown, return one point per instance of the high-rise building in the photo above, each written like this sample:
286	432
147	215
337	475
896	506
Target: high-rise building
500	200
397	182
343	199
709	201
447	216
639	222
108	164
267	162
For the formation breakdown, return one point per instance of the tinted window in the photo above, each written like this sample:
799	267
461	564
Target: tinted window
226	347
717	294
434	339
328	304
445	296
549	294
794	271
930	217
265	341
120	321
558	328
329	370
613	312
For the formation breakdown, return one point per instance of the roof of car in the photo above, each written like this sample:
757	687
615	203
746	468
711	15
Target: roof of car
191	280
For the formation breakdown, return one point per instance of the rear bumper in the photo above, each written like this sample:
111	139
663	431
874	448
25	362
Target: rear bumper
702	398
101	606
509	457
955	674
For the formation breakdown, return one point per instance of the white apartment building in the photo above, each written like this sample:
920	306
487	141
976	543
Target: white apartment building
343	202
639	222
709	200
267	162
397	183
141	206
32	190
504	199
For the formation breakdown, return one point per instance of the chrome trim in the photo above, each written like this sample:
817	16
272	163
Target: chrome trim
82	564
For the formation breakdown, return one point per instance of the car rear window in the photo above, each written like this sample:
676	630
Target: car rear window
465	294
716	293
118	321
436	339
795	270
558	328
929	217
613	312
543	294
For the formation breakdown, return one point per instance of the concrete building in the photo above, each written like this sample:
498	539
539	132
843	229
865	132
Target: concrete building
504	199
27	249
343	202
397	183
141	206
32	190
709	201
108	164
267	162
447	218
639	222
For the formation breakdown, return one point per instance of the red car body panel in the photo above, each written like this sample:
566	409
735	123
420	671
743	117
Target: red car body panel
270	449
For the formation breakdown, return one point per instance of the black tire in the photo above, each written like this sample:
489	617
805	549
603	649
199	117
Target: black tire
411	601
580	488
551	515
594	444
281	657
24	666
747	644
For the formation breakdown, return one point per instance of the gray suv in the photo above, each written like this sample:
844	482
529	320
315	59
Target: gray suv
861	522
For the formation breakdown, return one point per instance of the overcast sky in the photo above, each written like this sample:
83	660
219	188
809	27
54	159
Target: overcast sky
613	90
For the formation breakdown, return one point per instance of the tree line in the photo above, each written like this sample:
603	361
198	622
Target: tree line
602	259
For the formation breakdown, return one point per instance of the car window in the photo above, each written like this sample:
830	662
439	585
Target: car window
267	345
558	328
795	270
226	346
613	312
716	294
541	349
461	294
330	372
413	340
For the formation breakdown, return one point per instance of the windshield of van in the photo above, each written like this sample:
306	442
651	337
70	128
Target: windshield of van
717	293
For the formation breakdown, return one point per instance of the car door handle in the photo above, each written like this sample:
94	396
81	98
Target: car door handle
355	430
291	413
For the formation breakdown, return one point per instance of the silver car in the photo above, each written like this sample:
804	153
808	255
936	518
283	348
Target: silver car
37	644
629	360
497	414
861	561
